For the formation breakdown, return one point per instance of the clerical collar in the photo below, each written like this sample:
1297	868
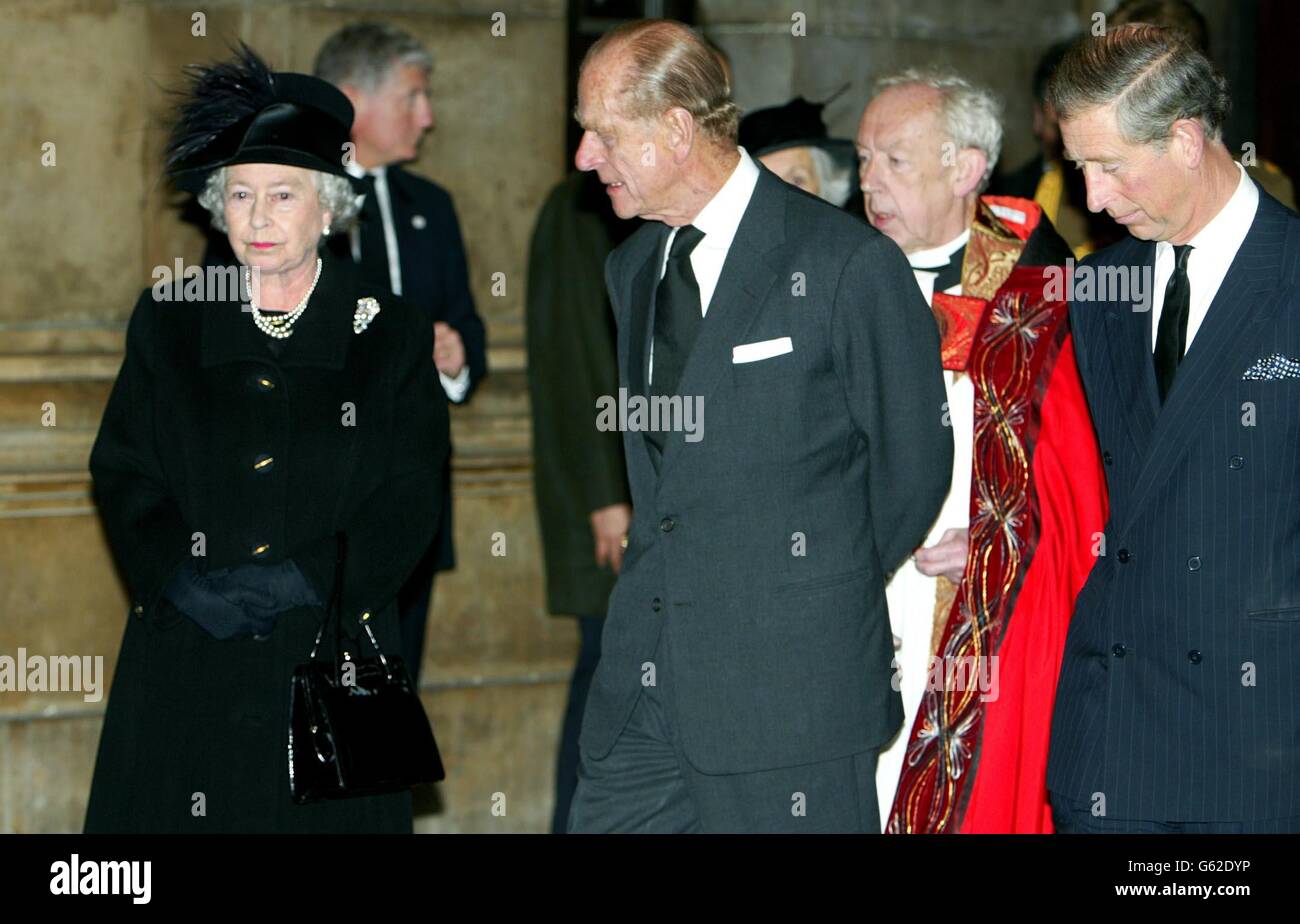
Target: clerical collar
938	256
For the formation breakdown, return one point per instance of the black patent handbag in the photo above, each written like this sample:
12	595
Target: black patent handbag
356	725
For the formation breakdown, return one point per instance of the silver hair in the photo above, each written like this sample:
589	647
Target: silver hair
973	113
834	180
671	65
334	193
1155	76
365	53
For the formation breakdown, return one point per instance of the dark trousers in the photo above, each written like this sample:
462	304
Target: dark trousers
1070	816
413	611
566	762
645	784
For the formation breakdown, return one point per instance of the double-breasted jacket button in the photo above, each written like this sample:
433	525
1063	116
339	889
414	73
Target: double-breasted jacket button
1194	656
261	550
263	382
1118	650
1194	563
1124	556
656	604
1236	462
263	462
667	524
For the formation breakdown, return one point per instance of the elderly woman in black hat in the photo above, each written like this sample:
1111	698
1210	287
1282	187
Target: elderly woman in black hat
792	141
242	437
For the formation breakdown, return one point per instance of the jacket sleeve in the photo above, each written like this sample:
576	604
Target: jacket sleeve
141	516
394	524
572	353
886	350
457	300
596	375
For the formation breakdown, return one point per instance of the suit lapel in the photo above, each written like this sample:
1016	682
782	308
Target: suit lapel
400	207
1246	300
400	199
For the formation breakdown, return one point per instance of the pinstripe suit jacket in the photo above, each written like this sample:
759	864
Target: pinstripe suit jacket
1179	695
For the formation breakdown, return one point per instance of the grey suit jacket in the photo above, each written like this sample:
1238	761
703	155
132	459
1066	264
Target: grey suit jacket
763	548
1179	695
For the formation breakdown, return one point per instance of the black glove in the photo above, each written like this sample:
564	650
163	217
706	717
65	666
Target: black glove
224	609
281	582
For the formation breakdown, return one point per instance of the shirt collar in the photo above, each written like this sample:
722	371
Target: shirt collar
1221	238
358	171
721	216
938	256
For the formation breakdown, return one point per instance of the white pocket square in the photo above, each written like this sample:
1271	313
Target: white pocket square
1271	368
764	349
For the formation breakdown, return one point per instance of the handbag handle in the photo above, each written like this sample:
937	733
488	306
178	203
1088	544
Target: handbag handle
335	610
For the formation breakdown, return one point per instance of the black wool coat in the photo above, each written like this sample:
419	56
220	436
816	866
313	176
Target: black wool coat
571	364
355	429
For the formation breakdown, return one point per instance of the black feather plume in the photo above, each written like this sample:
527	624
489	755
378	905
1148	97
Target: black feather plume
217	97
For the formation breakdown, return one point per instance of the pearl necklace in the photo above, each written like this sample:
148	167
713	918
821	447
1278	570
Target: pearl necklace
282	327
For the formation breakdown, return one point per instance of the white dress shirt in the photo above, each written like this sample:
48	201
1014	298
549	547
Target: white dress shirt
454	387
719	220
1213	249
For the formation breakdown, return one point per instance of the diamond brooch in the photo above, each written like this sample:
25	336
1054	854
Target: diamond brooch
367	308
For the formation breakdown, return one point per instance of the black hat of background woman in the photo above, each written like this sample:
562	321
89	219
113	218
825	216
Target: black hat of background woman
240	112
797	124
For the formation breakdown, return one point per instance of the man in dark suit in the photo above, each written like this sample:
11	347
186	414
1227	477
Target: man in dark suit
1178	707
408	240
744	679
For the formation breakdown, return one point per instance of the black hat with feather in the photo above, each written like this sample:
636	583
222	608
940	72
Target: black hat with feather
240	112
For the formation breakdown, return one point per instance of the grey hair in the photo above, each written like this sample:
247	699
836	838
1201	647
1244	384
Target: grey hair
364	53
834	181
973	113
671	65
334	193
1155	76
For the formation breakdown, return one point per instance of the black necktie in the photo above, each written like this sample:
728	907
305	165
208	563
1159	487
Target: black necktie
374	252
1171	338
677	313
949	273
677	318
